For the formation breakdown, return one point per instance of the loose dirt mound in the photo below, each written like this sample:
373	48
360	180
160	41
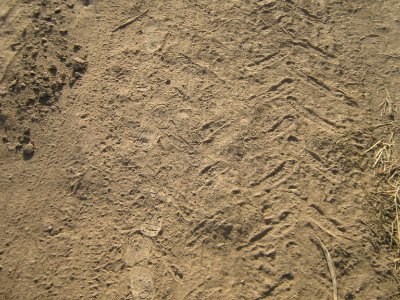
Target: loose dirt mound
194	149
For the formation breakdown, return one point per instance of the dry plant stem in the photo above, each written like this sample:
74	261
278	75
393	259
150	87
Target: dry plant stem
387	161
210	137
390	105
372	147
387	106
395	199
381	125
330	266
130	21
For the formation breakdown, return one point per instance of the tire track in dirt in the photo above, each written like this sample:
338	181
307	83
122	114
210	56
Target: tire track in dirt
228	141
203	152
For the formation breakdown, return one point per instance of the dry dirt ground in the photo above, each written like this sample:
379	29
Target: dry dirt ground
198	152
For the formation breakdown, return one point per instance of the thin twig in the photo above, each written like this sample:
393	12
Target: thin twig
381	125
330	266
196	287
211	135
395	200
130	21
372	147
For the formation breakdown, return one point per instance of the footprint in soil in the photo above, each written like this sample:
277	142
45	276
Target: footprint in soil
141	281
152	226
137	251
148	138
142	285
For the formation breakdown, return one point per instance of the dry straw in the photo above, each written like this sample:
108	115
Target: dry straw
387	164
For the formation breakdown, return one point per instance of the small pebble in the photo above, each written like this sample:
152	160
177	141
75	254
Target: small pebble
48	285
78	75
28	149
79	64
79	60
77	47
48	229
53	69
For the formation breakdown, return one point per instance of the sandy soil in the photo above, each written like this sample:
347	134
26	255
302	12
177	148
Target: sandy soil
198	152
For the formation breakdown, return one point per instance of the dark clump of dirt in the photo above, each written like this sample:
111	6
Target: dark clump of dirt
45	61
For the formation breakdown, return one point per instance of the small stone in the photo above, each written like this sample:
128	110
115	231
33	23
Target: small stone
226	229
28	102
87	2
79	60
77	47
79	64
28	149
36	13
13	83
57	10
27	131
53	69
48	229
48	285
14	46
63	31
5	139
44	40
78	75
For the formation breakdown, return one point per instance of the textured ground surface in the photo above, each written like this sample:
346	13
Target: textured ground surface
196	153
